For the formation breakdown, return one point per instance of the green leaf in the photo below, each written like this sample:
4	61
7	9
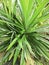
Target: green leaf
37	21
18	48
29	47
26	7
22	62
37	11
11	55
46	10
13	42
42	49
38	1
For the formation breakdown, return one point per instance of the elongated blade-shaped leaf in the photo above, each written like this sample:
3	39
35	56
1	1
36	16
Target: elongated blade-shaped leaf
18	48
13	42
26	6
22	62
37	11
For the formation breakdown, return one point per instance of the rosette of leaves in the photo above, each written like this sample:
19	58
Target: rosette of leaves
21	33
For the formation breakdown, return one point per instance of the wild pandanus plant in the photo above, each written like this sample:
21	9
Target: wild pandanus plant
20	33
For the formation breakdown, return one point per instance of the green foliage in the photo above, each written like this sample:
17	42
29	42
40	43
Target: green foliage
20	32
